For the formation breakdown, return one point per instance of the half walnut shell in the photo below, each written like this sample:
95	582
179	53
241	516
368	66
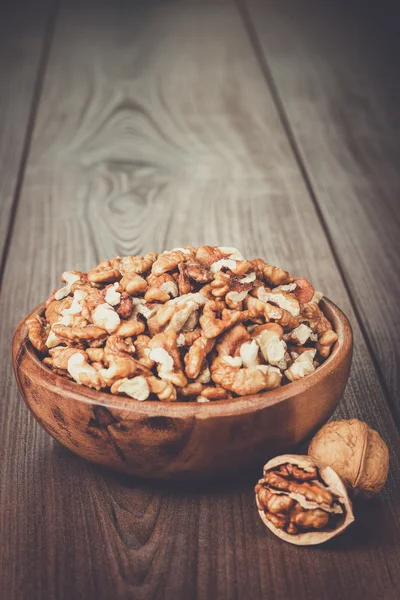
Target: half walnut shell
303	501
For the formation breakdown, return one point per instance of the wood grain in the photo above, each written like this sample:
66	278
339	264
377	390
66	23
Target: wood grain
156	129
22	29
335	68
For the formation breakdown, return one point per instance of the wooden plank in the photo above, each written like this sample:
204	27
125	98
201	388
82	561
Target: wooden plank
155	130
22	29
335	68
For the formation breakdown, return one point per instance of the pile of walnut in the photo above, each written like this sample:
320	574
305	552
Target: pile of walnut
189	324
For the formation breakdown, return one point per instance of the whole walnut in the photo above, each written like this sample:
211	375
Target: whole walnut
356	452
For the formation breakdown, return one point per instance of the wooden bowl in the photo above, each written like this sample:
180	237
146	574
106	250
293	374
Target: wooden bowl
182	440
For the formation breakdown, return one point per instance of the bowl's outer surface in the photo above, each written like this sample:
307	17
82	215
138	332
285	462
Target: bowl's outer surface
182	440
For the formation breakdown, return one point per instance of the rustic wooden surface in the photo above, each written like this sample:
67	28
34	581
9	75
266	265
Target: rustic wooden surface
157	125
22	46
334	72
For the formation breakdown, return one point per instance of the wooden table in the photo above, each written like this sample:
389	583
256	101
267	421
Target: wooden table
129	126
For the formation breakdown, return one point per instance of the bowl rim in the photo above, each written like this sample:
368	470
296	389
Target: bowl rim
217	408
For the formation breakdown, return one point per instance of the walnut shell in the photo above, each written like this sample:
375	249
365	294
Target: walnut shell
335	485
356	452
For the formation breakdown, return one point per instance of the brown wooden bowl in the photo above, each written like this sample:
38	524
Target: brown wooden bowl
182	440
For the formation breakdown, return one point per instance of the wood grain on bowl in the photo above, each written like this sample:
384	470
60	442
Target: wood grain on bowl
182	440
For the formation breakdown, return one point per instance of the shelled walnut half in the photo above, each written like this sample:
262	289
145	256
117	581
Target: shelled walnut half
303	501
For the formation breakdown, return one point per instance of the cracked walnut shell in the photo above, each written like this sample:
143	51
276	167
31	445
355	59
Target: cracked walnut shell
356	452
303	501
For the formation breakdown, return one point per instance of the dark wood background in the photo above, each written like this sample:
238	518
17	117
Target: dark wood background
128	126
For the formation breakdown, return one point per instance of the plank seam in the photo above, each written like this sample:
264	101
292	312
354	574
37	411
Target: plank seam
35	101
285	122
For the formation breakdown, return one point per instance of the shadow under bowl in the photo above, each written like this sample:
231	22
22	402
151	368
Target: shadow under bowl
183	440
